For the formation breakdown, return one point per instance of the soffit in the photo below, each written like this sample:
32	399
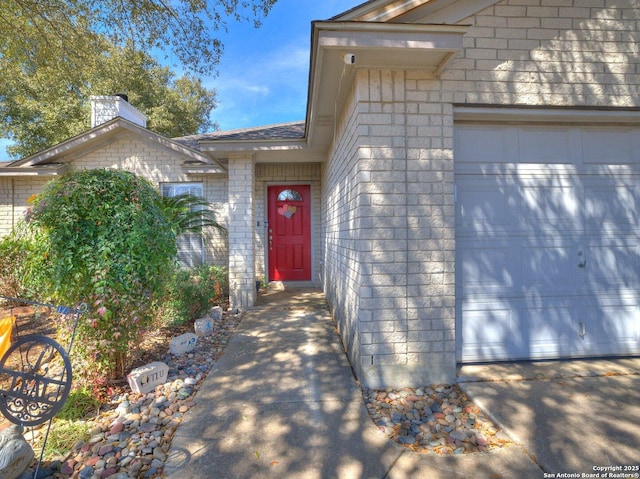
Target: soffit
375	46
415	11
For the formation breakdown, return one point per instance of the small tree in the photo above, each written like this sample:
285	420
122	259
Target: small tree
101	237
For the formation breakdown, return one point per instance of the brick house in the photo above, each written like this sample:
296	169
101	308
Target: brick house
466	185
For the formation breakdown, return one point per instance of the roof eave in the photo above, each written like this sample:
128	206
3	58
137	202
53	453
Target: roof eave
379	10
49	171
446	12
252	145
263	151
97	135
389	46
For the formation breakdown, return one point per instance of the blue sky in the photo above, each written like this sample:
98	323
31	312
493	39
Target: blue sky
263	74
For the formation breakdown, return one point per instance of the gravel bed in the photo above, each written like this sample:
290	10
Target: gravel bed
433	419
131	437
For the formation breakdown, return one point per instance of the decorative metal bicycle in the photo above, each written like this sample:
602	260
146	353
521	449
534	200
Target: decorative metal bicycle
35	382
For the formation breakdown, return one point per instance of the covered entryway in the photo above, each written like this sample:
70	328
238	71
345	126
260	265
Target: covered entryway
547	240
289	233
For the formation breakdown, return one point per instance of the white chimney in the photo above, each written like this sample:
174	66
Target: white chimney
106	108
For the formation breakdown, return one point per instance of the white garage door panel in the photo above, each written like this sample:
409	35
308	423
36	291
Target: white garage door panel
544	145
508	328
547	241
612	206
548	269
483	144
609	146
489	342
545	205
484	209
610	327
482	269
612	266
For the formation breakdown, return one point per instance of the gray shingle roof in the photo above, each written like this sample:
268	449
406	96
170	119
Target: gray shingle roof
280	131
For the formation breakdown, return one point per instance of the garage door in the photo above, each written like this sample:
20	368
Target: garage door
547	241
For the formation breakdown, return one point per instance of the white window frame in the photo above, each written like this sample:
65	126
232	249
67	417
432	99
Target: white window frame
190	245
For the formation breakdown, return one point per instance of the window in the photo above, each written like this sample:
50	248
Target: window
190	245
289	195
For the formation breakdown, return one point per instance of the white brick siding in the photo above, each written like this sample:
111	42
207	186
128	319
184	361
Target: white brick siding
342	204
14	193
241	233
388	185
6	206
556	55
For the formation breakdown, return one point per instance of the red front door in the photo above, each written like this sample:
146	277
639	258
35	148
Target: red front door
289	233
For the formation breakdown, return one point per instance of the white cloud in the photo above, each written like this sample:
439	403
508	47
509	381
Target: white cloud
264	73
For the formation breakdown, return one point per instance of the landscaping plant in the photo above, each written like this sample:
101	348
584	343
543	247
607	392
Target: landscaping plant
12	252
100	237
190	293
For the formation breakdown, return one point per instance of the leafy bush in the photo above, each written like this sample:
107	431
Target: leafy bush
190	293
14	251
100	237
11	252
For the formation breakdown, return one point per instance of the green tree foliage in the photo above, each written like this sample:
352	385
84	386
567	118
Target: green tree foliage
101	237
42	104
55	54
185	29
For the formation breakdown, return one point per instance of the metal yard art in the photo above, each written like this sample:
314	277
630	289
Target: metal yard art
35	382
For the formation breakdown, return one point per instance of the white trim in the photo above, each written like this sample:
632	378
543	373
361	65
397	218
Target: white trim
488	114
415	11
379	11
44	170
94	138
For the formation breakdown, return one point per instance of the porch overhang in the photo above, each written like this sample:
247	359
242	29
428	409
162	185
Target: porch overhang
263	151
388	46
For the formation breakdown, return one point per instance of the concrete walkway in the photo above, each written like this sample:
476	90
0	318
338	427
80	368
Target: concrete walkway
574	417
282	403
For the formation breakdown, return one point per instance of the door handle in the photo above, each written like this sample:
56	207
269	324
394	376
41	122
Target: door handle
583	263
270	242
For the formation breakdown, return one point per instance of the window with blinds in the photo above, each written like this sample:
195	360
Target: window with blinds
190	245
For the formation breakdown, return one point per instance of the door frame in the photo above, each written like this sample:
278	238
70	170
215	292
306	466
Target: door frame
267	185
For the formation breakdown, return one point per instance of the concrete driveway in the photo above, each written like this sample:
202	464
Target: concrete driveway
570	417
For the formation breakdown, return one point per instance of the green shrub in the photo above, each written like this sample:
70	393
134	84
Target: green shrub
190	293
100	237
12	252
15	250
